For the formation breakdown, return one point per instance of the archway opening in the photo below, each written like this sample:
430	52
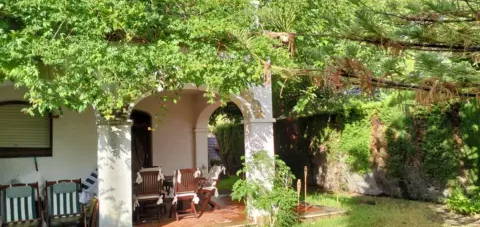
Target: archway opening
182	123
179	126
141	140
226	143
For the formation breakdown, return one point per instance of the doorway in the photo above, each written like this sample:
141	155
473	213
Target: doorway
141	140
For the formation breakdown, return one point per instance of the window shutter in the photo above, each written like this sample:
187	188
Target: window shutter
20	130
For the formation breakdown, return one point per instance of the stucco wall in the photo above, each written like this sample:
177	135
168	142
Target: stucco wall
74	148
173	141
75	139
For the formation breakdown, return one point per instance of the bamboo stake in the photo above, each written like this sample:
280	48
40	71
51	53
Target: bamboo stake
305	172
299	190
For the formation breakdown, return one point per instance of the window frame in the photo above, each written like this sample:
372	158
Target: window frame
23	152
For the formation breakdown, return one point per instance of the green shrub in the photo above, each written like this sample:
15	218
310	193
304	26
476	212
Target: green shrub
470	130
425	147
230	139
277	199
355	141
465	203
226	184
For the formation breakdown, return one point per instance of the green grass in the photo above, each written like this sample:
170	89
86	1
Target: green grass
386	212
226	184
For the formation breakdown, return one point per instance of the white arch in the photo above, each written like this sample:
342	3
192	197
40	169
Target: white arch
201	133
256	107
201	125
244	105
205	114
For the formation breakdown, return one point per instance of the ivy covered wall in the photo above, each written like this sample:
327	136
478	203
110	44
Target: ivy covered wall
382	145
409	151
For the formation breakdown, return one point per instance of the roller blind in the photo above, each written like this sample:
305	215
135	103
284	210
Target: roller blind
20	130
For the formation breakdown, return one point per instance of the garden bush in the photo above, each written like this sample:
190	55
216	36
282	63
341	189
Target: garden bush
425	147
278	199
465	202
230	139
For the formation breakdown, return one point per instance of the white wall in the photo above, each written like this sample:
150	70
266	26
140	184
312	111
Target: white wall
74	148
75	139
173	141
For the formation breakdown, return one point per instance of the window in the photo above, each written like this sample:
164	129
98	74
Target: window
22	135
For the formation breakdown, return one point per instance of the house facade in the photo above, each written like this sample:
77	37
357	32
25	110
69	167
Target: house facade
160	132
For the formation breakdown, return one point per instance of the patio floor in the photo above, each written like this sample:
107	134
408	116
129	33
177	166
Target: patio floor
229	214
232	213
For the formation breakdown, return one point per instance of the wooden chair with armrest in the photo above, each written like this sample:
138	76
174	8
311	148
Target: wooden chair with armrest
185	188
20	205
63	203
209	189
148	190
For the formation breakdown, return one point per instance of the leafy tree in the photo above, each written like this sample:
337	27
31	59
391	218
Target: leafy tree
108	54
428	46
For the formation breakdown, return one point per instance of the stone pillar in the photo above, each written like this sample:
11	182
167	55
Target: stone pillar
201	148
114	173
259	137
259	121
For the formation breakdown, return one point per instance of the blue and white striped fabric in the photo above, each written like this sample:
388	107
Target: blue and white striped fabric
89	188
18	204
63	199
90	183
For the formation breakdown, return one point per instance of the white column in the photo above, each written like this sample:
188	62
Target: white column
201	148
259	137
114	173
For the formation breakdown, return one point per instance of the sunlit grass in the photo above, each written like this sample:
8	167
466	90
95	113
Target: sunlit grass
374	211
366	210
226	183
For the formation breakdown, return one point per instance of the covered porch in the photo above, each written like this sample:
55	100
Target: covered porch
169	130
153	132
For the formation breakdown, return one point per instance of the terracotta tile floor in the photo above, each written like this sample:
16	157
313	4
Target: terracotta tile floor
230	214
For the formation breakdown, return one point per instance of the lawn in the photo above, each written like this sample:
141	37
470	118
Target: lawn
375	211
226	184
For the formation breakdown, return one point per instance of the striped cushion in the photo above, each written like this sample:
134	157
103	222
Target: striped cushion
63	203
90	182
19	208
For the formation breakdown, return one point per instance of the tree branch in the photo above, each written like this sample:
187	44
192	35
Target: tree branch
377	82
416	46
386	42
428	19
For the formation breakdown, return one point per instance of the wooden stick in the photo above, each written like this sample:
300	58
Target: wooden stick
305	172
299	190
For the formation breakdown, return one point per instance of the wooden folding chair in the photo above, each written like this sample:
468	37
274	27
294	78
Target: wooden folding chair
209	187
91	213
185	192
63	203
148	190
20	205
